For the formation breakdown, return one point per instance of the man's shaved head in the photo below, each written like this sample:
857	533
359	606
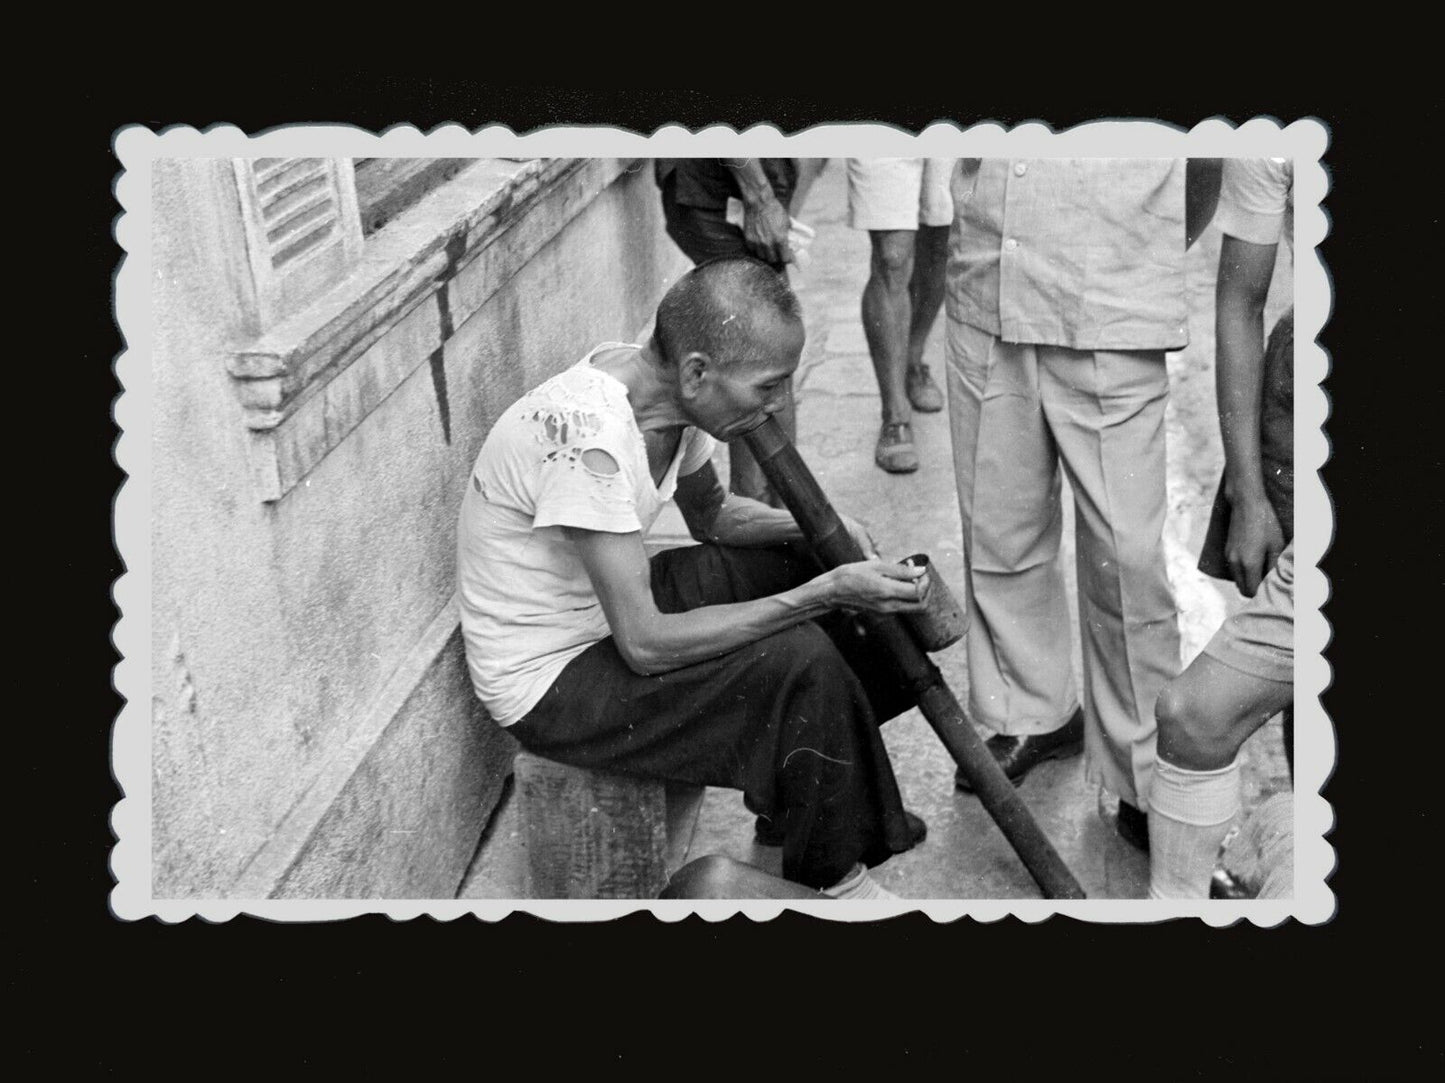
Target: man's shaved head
721	308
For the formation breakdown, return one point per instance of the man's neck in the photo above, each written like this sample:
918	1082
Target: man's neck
651	387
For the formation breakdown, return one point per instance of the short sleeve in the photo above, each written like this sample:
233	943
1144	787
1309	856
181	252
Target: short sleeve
698	452
1254	195
570	492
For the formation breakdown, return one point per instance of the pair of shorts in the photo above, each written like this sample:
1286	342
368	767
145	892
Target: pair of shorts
899	193
1259	639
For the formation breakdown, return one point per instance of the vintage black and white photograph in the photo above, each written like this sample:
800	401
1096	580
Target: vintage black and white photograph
574	523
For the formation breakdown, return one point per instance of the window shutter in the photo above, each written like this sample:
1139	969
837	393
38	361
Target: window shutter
303	229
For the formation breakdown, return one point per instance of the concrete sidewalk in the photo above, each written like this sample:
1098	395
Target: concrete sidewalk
965	855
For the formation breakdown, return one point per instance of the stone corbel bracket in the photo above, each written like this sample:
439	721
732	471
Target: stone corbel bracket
306	383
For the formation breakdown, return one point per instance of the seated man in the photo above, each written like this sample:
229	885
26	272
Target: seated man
725	664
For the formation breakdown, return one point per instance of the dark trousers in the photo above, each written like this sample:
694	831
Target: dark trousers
791	720
703	233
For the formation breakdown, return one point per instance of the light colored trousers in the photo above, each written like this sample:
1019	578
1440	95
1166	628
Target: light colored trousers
1016	412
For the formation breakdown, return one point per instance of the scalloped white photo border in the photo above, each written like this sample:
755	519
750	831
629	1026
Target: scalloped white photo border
1304	140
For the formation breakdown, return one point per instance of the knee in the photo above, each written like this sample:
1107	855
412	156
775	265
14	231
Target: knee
893	258
1192	732
782	666
710	877
806	653
793	648
802	670
1177	712
824	705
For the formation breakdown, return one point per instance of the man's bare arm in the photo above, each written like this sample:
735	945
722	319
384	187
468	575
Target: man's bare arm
651	641
713	514
1255	537
765	221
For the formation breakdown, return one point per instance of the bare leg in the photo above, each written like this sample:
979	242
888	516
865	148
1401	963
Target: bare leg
1208	712
719	877
887	316
1205	715
926	287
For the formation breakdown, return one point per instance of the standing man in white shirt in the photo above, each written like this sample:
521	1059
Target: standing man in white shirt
1065	289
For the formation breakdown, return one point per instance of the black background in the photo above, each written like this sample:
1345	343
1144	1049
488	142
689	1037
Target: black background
1058	999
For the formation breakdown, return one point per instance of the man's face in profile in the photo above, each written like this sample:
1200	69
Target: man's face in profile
741	393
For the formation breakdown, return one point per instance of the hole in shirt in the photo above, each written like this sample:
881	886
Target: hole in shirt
600	463
562	424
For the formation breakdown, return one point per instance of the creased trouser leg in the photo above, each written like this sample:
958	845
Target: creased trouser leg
1016	411
1006	464
1106	412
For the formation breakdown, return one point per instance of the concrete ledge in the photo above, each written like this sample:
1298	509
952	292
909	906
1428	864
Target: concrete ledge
309	382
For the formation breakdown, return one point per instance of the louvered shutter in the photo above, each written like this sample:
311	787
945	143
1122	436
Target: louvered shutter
303	230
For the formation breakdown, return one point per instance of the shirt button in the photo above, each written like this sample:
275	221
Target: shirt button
1010	244
1020	168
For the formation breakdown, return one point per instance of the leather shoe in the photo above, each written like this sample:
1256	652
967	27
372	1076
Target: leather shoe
1019	755
767	833
1132	825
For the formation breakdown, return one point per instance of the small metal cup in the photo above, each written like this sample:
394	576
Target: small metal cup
941	623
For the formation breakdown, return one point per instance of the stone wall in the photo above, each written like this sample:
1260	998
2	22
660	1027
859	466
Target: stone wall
315	734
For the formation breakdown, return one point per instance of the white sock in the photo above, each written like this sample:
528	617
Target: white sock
857	884
1189	815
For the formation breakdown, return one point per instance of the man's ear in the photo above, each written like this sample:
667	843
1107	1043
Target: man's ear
692	371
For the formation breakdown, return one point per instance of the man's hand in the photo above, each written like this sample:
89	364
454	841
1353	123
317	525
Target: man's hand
765	219
859	533
877	586
1255	541
765	230
1255	538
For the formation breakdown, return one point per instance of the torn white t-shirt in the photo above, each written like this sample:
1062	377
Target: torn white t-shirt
527	604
